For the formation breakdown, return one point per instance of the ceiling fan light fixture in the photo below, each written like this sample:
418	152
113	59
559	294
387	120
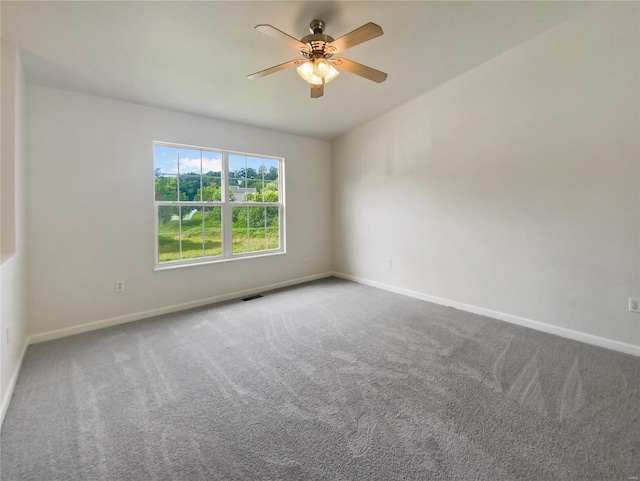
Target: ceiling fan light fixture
309	70
321	67
333	73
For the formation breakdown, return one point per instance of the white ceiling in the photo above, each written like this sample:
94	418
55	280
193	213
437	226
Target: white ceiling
194	56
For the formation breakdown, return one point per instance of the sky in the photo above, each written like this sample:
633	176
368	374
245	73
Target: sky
168	159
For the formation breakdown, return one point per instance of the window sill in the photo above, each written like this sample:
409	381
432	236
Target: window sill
162	267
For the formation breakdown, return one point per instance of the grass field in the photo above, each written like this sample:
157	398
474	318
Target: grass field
197	242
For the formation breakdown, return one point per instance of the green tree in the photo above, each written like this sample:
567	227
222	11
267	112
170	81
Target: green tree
271	192
211	192
165	213
166	187
189	186
252	174
272	174
264	193
213	217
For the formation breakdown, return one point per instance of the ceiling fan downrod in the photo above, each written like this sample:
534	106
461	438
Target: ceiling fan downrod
316	26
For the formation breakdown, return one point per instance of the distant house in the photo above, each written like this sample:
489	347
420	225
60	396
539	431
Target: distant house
240	192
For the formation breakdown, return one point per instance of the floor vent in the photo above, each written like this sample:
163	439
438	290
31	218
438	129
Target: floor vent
250	298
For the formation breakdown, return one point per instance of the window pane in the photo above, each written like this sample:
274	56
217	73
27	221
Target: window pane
191	223
273	216
273	238
236	182
237	190
254	191
256	217
237	166
212	243
239	217
212	218
240	241
189	187
254	168
271	191
248	192
211	189
272	168
257	240
191	219
212	163
168	219
254	184
165	159
166	187
190	161
168	247
192	244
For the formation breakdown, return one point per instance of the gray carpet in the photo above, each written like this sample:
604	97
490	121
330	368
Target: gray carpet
327	380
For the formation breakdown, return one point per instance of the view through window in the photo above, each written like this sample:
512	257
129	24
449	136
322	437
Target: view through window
214	204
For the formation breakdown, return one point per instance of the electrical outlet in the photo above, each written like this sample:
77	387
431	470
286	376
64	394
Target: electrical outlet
119	286
634	304
390	263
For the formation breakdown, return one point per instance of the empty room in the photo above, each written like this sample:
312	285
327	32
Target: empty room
334	240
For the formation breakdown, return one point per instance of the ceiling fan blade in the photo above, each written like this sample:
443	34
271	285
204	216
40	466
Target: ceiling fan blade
317	91
272	31
362	34
359	69
277	68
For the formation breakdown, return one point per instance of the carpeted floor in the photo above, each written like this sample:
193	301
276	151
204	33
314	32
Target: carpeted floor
327	380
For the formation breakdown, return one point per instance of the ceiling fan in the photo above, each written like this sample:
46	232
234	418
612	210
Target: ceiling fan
318	67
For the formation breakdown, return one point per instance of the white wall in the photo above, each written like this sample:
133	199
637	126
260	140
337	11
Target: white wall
13	305
513	188
91	214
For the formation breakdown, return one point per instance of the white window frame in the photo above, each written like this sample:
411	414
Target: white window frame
226	220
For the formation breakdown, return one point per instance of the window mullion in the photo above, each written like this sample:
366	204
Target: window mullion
180	229
201	207
227	217
179	208
157	228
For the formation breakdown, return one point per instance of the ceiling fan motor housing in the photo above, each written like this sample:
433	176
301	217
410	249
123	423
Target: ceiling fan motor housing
318	41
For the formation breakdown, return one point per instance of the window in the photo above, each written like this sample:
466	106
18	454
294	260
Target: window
215	205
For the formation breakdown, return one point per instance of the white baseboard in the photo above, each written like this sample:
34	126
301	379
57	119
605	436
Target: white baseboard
92	326
12	383
520	321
